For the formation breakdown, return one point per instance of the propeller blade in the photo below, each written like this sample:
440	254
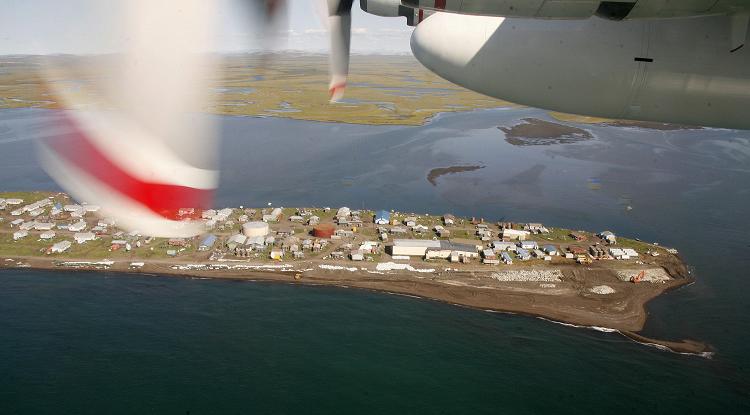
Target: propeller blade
340	27
271	27
141	152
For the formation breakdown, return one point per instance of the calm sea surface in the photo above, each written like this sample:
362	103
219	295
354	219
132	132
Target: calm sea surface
111	343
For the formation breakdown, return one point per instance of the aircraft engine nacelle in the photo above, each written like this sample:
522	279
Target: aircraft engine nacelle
394	8
385	8
673	70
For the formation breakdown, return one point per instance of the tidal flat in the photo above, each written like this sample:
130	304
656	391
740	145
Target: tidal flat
382	90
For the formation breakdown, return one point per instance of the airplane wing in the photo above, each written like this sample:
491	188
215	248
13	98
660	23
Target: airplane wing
582	9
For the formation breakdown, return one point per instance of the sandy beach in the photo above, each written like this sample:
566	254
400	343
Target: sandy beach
570	300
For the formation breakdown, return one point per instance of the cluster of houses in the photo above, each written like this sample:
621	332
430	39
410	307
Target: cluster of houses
492	246
69	217
434	249
524	250
409	223
276	245
215	217
494	253
348	217
498	251
360	253
38	208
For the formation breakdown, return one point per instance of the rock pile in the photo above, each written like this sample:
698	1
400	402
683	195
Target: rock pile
533	275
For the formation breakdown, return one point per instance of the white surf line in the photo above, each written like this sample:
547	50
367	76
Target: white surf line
705	355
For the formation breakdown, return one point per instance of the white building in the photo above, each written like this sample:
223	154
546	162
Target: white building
79	213
238	239
47	235
37	205
43	226
369	246
343	233
456	252
77	226
357	255
420	228
514	235
528	245
36	212
105	222
623	253
535	228
83	237
433	249
60	247
223	214
20	234
273	216
413	247
276	254
609	237
503	246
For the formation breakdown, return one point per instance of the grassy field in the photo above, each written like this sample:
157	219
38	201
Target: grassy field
382	89
581	119
30	197
640	247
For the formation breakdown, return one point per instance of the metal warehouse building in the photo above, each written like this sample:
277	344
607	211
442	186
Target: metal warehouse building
413	247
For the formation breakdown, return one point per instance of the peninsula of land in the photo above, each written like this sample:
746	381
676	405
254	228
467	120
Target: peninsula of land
593	279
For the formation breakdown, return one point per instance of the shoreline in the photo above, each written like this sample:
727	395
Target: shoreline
570	276
514	298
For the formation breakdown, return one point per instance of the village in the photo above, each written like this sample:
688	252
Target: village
573	276
54	226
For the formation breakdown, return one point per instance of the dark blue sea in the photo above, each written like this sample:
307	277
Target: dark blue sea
79	343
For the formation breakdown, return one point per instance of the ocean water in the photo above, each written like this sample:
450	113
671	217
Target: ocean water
109	343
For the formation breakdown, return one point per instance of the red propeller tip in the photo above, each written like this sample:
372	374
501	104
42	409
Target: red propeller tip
336	92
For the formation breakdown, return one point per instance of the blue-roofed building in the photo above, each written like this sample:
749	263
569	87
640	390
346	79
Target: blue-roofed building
550	249
523	254
506	257
383	217
207	243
